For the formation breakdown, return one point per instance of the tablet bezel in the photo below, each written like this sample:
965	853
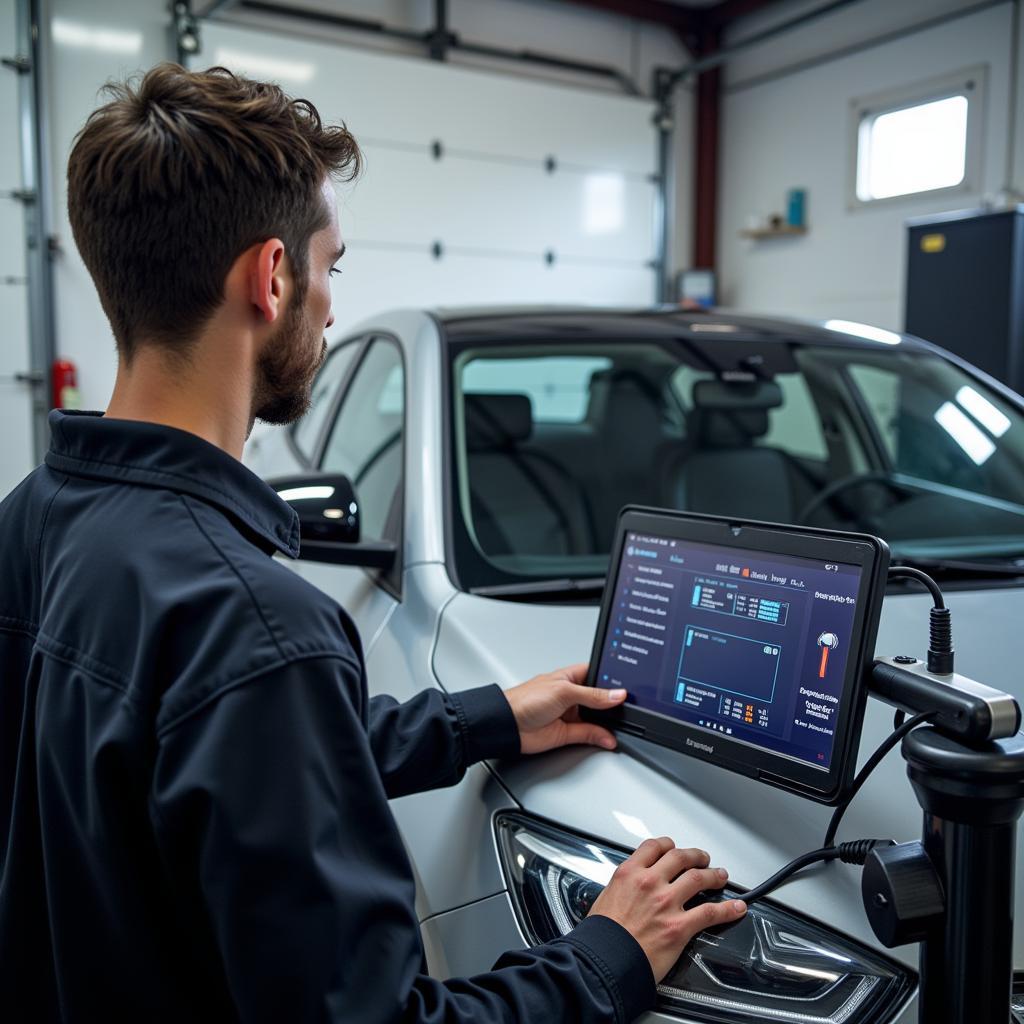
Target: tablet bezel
826	786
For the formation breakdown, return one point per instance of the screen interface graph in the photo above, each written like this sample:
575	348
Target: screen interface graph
742	643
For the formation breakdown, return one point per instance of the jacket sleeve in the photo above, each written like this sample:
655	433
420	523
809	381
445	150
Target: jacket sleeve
267	801
430	740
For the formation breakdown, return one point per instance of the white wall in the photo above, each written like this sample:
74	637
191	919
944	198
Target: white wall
140	38
794	131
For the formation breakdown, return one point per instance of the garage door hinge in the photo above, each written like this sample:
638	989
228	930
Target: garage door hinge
12	279
31	377
22	195
20	65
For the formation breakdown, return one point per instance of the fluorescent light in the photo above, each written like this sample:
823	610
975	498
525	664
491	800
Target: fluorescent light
865	331
964	432
109	40
604	203
304	493
257	64
983	411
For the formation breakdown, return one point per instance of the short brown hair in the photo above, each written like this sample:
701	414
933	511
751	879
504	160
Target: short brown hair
179	174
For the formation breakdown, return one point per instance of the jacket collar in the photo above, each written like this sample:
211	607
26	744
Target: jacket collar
152	455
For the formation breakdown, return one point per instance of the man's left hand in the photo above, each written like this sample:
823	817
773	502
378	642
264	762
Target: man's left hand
547	710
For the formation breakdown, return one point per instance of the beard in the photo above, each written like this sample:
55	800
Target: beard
287	368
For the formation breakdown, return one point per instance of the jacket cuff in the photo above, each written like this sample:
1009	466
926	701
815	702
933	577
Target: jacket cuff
620	960
488	726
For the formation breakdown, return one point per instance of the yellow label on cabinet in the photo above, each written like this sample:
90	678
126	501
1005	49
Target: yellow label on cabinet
933	243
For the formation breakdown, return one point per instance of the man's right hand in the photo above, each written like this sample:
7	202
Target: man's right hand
647	893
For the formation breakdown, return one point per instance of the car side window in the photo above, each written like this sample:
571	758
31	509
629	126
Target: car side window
306	431
365	442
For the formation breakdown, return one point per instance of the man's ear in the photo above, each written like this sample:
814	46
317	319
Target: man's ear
268	280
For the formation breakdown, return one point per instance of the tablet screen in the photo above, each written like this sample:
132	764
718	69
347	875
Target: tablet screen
743	644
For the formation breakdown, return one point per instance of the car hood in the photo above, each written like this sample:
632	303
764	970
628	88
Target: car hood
750	828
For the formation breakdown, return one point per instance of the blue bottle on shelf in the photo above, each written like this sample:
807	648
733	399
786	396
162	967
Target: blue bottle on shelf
795	202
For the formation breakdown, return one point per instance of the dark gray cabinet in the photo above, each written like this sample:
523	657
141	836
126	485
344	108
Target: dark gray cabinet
965	287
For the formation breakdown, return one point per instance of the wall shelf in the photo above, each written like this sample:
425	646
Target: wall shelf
785	231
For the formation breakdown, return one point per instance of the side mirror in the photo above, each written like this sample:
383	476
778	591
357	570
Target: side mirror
329	521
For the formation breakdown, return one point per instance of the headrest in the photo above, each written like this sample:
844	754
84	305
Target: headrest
497	420
716	428
630	406
736	396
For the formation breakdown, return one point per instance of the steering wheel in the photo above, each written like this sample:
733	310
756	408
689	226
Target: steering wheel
845	483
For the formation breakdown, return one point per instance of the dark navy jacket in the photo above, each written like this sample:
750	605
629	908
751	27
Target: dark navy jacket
193	784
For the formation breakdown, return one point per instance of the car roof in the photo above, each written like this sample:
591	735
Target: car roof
502	323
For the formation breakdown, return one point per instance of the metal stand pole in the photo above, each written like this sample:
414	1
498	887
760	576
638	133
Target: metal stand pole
972	798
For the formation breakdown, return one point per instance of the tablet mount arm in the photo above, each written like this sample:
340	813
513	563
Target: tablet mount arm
952	891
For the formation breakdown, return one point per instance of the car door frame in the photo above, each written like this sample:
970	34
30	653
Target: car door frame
391	580
362	343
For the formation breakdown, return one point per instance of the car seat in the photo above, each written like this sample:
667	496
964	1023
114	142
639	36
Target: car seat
719	469
629	413
522	500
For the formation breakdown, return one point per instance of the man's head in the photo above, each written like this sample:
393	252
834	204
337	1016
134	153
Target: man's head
188	187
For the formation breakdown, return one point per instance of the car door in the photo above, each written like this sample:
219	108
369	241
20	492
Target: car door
364	440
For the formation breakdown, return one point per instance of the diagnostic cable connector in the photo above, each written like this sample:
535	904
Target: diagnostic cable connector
961	707
940	623
855	852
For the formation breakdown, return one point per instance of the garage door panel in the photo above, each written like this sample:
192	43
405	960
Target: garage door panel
489	199
417	101
377	280
14	329
407	196
10	151
12	231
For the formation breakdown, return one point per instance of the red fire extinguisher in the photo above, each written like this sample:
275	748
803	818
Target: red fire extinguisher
65	384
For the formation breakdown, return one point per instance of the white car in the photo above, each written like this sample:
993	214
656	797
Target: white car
489	453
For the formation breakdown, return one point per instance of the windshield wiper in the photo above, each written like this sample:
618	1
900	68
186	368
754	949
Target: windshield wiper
542	588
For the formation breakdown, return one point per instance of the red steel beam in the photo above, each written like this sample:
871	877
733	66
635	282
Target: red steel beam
682	19
705	198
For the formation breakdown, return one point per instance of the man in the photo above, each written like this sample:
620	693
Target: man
193	783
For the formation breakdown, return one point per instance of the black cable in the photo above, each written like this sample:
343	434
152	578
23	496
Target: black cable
871	764
940	625
854	852
849	853
906	572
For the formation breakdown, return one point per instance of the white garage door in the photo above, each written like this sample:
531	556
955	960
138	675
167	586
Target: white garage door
16	445
479	187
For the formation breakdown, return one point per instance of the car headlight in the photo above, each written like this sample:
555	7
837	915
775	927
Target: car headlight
769	966
1017	999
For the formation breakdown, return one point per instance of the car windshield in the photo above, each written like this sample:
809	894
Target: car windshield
552	439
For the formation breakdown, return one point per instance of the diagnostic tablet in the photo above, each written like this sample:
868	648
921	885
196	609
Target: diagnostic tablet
742	643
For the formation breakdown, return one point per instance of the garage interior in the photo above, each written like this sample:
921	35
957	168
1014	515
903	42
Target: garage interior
671	134
668	253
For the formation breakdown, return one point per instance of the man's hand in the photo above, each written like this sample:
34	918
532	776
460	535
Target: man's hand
546	709
647	893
